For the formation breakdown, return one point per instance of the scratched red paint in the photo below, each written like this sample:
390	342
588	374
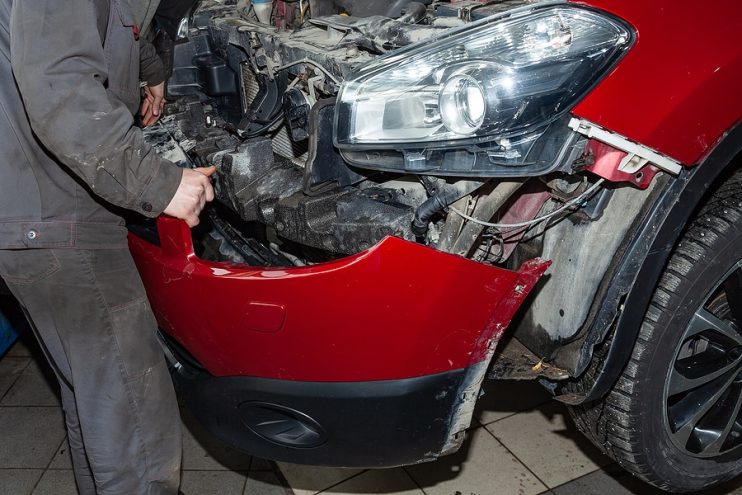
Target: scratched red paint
398	310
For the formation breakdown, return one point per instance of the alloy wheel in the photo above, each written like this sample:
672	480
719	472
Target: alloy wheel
703	389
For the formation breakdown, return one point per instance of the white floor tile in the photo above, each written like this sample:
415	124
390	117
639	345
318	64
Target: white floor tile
305	480
213	482
265	483
31	436
259	464
386	481
609	481
542	439
11	369
57	482
33	388
481	467
62	459
19	481
20	349
503	398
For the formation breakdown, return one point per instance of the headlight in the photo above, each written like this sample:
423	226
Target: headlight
501	80
183	28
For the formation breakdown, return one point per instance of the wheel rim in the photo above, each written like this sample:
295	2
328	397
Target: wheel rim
703	389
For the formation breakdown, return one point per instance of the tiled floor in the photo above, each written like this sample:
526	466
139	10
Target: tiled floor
521	444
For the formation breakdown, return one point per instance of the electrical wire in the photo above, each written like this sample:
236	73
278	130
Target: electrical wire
308	62
569	204
266	127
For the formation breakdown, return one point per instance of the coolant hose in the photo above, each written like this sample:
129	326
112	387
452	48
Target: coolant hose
447	194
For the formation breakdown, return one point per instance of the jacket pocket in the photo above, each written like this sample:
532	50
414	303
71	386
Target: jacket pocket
25	267
122	55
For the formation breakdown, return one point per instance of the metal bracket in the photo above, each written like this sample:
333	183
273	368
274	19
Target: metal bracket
637	155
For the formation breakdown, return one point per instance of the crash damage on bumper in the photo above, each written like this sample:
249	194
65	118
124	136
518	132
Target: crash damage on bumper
380	315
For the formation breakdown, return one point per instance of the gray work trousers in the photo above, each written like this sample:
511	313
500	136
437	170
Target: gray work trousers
91	315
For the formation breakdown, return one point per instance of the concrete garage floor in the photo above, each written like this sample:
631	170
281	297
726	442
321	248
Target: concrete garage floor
521	443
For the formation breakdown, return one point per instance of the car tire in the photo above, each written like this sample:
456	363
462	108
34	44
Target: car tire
681	391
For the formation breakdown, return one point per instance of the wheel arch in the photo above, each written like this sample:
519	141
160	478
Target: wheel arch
635	277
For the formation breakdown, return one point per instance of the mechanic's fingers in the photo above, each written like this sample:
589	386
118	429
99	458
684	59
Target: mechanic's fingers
157	105
153	117
206	193
190	199
147	117
152	120
146	105
208	188
207	171
194	215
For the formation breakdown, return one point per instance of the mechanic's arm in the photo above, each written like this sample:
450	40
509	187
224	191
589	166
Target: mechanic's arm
59	64
151	70
152	74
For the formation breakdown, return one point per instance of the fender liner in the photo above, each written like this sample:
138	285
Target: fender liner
636	276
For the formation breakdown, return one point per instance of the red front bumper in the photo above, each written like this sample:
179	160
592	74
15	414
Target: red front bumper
398	310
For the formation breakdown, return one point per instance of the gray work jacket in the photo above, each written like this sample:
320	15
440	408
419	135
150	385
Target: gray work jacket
69	85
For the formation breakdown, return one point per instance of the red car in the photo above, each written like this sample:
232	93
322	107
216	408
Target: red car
417	196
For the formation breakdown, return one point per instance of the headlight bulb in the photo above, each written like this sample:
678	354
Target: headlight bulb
546	38
462	104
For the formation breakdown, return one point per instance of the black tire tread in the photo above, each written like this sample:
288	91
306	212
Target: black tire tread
609	424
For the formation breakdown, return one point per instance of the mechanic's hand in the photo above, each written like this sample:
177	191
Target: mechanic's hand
154	102
194	191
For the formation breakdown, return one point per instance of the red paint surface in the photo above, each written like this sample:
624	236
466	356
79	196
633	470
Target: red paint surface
525	207
398	310
678	89
607	159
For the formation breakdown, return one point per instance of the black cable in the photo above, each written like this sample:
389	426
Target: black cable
265	127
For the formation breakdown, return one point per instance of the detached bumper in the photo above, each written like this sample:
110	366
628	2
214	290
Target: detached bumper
390	344
399	310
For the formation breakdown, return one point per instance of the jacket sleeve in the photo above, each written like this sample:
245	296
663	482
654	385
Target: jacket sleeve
151	69
60	68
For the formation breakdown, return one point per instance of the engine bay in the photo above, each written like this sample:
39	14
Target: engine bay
259	100
275	99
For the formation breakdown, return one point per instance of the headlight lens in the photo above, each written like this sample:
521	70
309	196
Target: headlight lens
462	105
494	80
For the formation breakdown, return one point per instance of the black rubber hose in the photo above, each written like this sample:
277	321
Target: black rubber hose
437	203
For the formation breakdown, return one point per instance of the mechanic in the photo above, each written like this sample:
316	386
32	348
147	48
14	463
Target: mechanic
71	156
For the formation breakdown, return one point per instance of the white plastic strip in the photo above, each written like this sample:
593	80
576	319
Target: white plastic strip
637	154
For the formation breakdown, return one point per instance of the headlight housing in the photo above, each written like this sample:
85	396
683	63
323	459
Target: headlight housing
496	84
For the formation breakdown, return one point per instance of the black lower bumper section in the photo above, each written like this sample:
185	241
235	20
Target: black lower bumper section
360	424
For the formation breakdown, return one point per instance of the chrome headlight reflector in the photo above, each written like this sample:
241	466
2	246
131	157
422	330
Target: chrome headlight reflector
496	81
183	28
